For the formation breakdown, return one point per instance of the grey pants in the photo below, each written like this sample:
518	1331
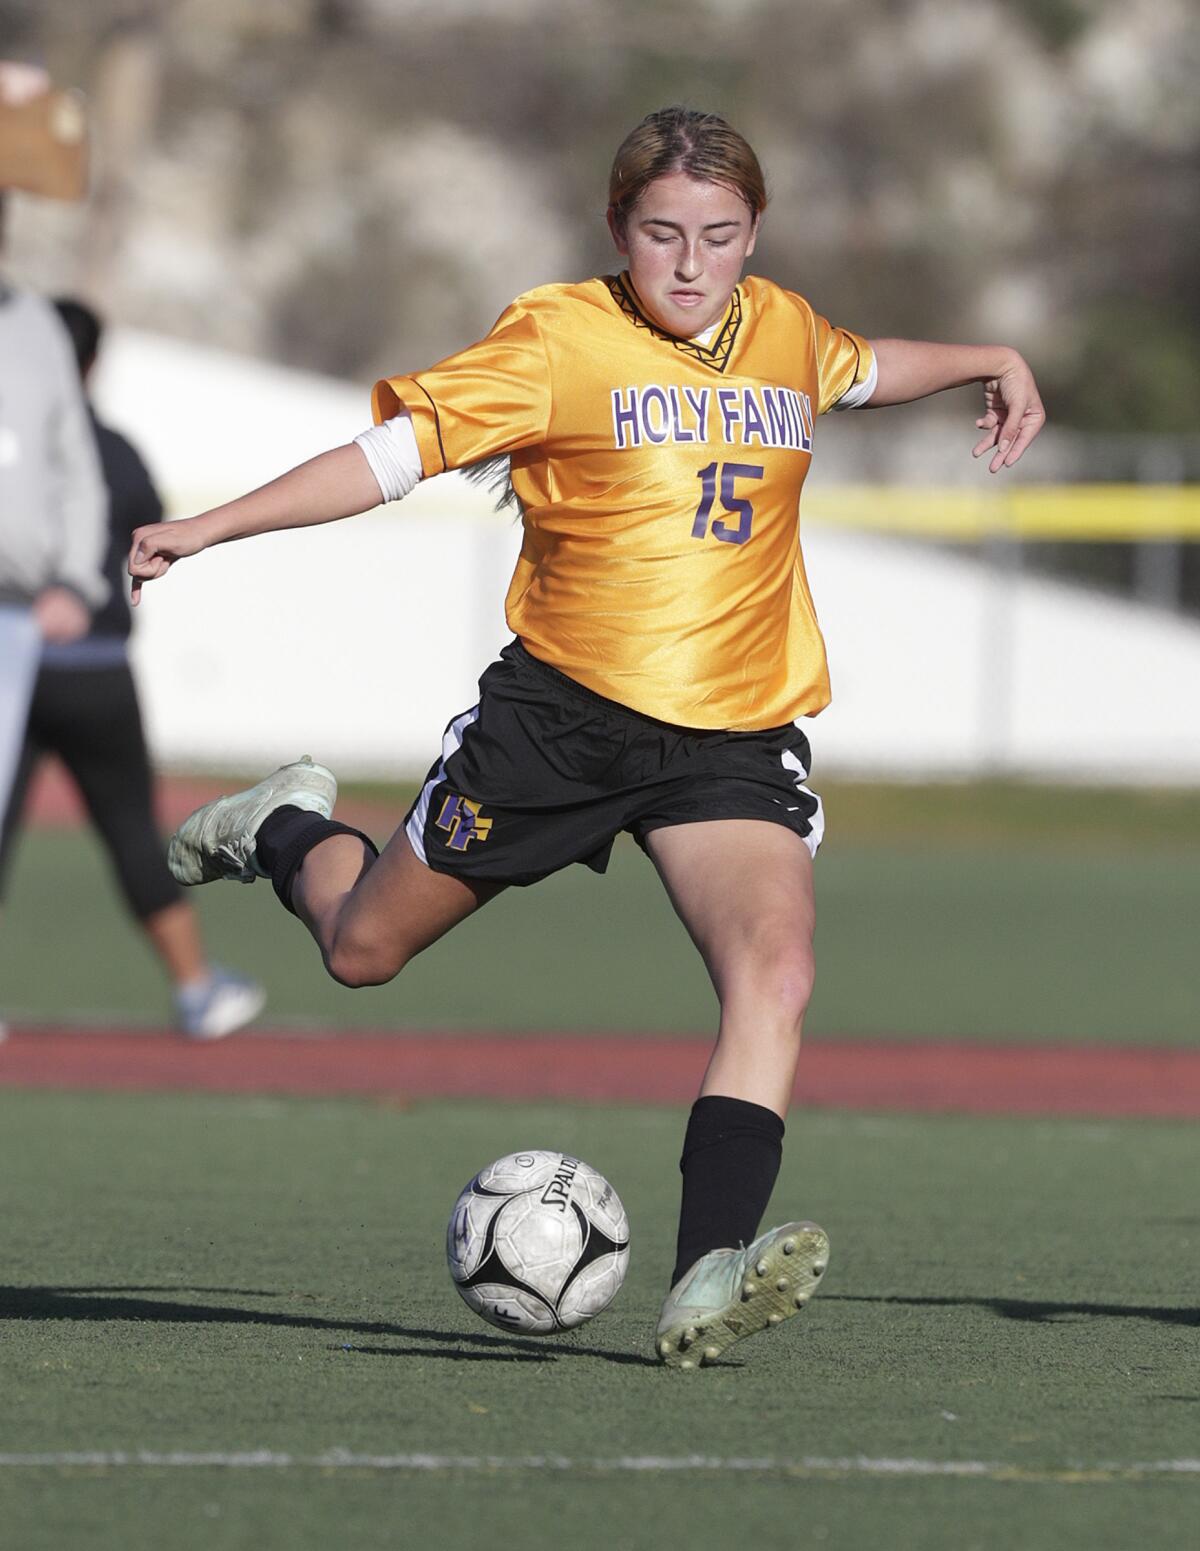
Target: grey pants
20	650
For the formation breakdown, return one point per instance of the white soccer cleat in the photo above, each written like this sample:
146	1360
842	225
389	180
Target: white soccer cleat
730	1294
218	840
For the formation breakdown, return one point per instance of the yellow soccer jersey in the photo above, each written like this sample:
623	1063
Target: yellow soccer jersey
661	479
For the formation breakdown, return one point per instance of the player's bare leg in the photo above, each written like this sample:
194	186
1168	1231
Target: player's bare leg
371	915
743	889
368	913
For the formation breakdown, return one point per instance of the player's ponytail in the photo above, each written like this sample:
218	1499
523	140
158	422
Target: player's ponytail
684	140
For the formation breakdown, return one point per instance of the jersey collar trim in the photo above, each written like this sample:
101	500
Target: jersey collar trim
715	354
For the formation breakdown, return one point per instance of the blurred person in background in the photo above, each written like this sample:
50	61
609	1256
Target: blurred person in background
65	683
52	505
84	708
52	501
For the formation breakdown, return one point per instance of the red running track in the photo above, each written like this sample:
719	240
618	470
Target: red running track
920	1076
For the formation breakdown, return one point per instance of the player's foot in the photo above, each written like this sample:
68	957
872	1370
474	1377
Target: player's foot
220	1005
733	1293
218	840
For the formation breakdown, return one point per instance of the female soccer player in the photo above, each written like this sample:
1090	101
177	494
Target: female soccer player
660	424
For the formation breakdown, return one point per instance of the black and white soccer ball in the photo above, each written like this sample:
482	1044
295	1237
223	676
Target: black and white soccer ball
538	1242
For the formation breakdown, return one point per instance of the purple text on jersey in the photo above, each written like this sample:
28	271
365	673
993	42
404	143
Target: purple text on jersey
749	417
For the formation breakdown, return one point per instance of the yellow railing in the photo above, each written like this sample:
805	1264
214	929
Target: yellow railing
1095	513
1084	513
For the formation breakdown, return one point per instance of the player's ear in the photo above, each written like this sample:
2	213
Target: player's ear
616	225
755	224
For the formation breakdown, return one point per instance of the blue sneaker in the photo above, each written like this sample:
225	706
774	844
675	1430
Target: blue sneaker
221	1005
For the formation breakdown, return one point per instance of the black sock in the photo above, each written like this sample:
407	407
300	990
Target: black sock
285	838
731	1155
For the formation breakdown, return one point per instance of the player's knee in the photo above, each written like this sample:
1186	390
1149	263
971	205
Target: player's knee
796	993
777	974
356	961
789	990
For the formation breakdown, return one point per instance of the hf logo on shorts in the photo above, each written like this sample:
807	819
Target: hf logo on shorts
462	820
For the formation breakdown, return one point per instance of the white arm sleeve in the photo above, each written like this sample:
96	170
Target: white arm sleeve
391	450
859	396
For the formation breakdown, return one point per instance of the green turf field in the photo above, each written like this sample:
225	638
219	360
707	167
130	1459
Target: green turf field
1014	1300
1002	912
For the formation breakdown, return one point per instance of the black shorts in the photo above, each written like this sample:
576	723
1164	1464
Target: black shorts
543	772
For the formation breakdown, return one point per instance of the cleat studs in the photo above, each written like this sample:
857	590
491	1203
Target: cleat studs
664	1348
782	1284
800	1300
774	1319
761	1268
747	1291
711	1353
788	1246
687	1364
818	1269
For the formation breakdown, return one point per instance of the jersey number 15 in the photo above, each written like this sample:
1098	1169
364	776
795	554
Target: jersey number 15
736	505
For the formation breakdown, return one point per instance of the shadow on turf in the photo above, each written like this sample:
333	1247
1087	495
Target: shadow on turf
82	1303
1032	1311
540	1356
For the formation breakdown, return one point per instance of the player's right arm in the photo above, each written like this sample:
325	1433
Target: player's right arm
338	483
492	398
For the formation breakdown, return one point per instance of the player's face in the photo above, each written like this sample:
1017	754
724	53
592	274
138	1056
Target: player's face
686	240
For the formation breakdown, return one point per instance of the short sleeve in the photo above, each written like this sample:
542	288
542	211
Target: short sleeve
492	398
846	368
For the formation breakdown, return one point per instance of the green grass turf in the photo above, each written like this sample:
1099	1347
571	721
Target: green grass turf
187	1273
958	912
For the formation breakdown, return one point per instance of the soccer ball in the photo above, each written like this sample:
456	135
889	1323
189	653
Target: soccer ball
538	1242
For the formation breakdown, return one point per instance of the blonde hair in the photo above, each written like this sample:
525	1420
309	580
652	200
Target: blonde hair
683	140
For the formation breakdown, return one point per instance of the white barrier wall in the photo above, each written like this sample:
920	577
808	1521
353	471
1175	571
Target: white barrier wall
943	667
358	642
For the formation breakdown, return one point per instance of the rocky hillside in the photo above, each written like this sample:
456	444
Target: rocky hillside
360	185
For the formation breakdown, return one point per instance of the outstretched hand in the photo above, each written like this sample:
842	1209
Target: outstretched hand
156	548
1012	416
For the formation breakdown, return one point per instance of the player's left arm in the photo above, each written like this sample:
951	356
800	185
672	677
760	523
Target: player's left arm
1012	407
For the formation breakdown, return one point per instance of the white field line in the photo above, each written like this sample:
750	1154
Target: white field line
343	1459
